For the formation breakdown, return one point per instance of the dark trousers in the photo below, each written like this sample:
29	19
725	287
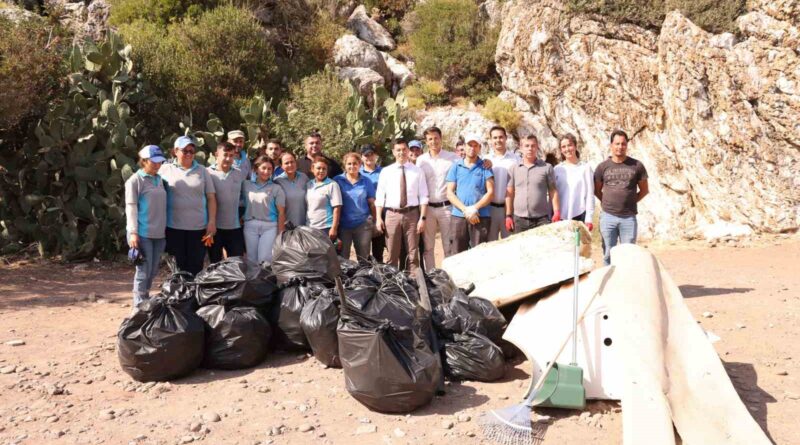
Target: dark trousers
232	240
465	235
187	248
581	217
522	224
379	243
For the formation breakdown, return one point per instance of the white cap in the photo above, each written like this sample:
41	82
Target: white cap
473	137
233	134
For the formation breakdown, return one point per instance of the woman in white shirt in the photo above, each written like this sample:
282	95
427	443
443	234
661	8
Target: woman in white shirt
575	183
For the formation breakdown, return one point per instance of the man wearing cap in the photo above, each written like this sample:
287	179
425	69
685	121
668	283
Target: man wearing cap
241	161
502	162
313	145
470	188
372	171
146	219
228	187
530	183
414	151
402	191
191	207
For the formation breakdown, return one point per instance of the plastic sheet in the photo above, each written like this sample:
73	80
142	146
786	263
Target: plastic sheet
236	337
318	320
160	341
304	252
472	356
236	282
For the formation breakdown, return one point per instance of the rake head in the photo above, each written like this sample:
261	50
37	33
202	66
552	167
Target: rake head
511	426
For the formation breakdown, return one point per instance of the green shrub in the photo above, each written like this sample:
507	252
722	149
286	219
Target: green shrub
425	93
160	12
203	66
712	15
31	70
318	45
453	42
502	113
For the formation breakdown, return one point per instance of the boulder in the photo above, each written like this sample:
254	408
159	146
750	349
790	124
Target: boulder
369	30
364	80
349	51
542	257
713	119
401	74
17	15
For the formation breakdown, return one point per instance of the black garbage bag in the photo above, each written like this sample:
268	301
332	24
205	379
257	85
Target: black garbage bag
235	281
378	272
180	289
319	319
387	367
469	314
304	252
160	341
394	300
236	337
348	267
286	312
472	356
440	286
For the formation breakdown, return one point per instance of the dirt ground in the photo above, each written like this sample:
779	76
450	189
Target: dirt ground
64	384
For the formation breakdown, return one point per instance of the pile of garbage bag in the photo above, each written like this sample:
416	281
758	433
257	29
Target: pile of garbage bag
394	353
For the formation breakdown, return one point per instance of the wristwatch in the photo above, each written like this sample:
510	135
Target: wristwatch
422	218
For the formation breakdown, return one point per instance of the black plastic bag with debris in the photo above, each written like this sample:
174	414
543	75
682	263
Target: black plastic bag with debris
319	319
387	367
286	312
440	287
160	341
236	337
180	287
469	314
349	267
472	356
236	281
304	252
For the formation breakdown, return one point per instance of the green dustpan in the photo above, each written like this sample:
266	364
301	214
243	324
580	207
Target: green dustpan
563	386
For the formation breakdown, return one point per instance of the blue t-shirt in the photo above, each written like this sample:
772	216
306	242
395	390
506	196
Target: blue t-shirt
355	204
372	176
470	185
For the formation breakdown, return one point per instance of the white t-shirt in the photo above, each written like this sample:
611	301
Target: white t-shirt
575	185
435	170
500	167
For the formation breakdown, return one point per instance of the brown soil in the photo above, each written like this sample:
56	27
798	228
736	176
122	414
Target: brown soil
68	317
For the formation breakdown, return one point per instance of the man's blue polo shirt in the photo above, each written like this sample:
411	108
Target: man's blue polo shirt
355	204
373	175
470	185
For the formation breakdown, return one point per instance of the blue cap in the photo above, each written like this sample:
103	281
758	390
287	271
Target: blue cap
153	153
415	144
183	141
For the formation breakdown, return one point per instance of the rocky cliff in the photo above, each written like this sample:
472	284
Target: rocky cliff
715	118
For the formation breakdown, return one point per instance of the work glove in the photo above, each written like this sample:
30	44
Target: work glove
556	216
509	223
590	226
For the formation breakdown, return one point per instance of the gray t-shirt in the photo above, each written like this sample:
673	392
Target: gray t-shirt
295	192
187	207
531	185
619	184
321	198
145	205
228	187
261	201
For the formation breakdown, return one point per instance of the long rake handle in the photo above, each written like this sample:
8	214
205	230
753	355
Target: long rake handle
533	390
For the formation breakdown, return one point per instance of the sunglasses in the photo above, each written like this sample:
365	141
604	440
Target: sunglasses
187	151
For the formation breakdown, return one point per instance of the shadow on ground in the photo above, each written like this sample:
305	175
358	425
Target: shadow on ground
745	380
693	290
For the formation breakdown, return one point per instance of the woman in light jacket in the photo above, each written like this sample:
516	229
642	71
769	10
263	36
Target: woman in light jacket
575	183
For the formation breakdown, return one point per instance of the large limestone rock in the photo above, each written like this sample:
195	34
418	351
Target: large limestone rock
401	74
349	51
369	30
364	80
511	269
714	120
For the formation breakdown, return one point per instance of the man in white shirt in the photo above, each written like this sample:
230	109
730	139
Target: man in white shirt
402	190
435	163
502	161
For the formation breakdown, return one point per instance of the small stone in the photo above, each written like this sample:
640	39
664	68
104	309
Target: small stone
195	427
782	372
399	433
302	408
211	417
187	439
53	390
447	424
8	369
106	414
16	343
503	397
464	418
364	420
544	419
708	315
321	434
263	389
740	326
470	434
304	428
52	419
366	429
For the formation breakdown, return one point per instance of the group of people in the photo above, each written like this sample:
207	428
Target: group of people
235	207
